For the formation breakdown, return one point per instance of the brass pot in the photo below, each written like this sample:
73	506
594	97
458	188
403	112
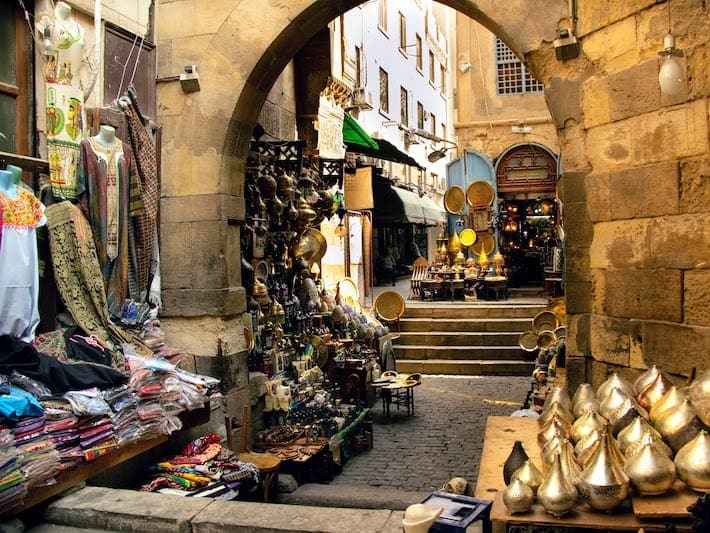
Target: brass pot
653	392
674	396
693	462
555	427
679	425
650	471
555	409
615	381
529	474
518	497
623	415
584	399
647	377
587	423
614	399
633	432
557	494
558	394
549	450
652	437
700	387
603	483
568	462
584	449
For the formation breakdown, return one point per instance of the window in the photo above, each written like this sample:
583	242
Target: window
432	67
382	15
420	115
384	91
420	61
443	130
359	81
432	118
402	33
511	75
15	87
442	73
403	106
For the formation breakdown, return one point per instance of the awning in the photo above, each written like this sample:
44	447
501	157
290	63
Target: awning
386	150
354	135
394	205
433	213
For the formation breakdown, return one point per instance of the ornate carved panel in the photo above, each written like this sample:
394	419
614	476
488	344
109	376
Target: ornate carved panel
527	168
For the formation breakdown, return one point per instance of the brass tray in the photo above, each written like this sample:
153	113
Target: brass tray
559	307
311	246
454	200
349	294
545	339
467	237
528	341
545	321
389	305
480	193
484	241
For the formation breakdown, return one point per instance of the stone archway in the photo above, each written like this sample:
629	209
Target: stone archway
634	292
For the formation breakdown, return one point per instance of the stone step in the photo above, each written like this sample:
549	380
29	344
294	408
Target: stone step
463	353
440	310
470	367
440	339
468	324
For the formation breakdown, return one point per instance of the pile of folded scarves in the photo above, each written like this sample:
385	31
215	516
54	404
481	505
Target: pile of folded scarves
12	481
204	469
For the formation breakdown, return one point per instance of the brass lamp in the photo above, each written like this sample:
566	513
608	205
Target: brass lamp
498	261
483	260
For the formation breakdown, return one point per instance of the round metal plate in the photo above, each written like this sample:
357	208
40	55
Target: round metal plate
480	193
348	293
528	341
545	321
545	339
454	199
484	241
467	237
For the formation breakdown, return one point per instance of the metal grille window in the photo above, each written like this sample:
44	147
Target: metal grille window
511	75
384	91
420	115
404	106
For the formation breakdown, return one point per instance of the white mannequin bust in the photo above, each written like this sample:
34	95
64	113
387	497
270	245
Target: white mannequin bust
62	11
7	184
106	136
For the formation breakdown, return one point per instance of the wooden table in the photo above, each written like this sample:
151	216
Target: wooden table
649	513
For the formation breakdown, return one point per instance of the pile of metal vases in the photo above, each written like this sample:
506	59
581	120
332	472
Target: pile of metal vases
600	447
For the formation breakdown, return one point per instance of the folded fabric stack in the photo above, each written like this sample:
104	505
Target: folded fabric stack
13	487
124	406
96	436
62	428
39	458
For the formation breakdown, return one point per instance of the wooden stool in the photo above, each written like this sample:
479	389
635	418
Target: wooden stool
267	464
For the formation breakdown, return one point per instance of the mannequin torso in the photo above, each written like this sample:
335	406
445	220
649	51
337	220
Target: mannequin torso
7	184
106	136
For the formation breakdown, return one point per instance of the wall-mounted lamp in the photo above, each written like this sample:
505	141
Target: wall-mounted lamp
670	75
436	155
190	79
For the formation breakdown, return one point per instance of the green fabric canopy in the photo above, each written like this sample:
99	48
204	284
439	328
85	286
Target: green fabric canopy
354	134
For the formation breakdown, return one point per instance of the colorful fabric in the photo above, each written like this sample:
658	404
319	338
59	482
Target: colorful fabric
109	202
19	283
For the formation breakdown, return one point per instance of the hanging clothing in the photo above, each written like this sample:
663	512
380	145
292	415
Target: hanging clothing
19	269
146	223
111	196
64	106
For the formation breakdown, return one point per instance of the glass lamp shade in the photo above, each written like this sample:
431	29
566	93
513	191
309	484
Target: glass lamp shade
340	230
670	76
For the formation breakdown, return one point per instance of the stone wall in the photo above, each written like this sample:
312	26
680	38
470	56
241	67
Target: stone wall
635	162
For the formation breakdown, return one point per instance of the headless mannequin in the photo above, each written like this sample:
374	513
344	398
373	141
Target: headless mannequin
106	136
62	12
7	184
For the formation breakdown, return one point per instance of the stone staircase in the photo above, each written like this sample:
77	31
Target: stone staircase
476	338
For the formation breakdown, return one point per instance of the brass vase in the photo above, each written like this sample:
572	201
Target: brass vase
515	460
518	497
556	408
615	381
623	415
650	471
693	462
700	387
584	449
529	474
557	494
603	483
633	432
549	450
584	399
647	377
673	396
612	401
568	462
679	425
652	437
587	423
653	392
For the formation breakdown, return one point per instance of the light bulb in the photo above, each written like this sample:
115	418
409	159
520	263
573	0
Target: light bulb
670	76
47	45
